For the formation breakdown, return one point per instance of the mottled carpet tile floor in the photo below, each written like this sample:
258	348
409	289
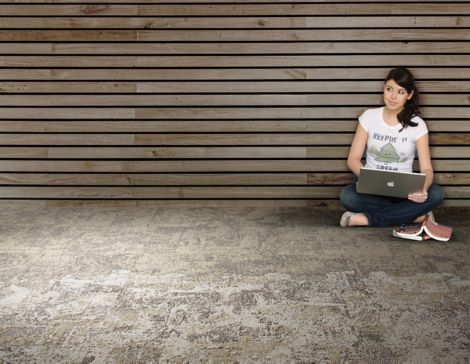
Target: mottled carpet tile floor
249	285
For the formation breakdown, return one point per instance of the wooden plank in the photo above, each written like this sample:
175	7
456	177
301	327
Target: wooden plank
221	126
236	22
164	48
317	73
207	179
235	61
270	9
125	113
166	179
231	35
171	152
212	139
151	166
232	166
245	152
176	139
135	126
349	87
182	100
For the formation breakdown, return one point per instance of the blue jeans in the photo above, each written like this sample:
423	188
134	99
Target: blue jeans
388	211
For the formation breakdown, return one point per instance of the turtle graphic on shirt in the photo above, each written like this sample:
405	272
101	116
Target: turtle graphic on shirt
388	154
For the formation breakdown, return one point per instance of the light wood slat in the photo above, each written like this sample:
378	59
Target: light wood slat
231	166
234	35
171	152
233	61
232	48
257	166
457	192
258	35
208	179
237	9
187	139
210	113
222	87
170	192
227	74
201	152
237	22
452	178
284	113
167	179
220	100
174	139
135	126
191	192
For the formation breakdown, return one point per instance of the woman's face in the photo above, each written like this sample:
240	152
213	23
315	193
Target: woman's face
395	96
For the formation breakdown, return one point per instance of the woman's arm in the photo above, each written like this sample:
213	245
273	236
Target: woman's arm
357	150
425	166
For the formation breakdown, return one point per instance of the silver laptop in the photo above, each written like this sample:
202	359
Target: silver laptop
388	183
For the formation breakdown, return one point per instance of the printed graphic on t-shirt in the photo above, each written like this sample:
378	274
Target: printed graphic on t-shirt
386	155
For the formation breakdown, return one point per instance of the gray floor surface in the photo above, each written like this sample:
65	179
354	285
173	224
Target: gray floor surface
241	284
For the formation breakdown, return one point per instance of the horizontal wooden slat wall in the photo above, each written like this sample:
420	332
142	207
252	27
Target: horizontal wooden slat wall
221	100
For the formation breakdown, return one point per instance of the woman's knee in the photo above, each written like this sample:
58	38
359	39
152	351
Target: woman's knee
348	197
435	195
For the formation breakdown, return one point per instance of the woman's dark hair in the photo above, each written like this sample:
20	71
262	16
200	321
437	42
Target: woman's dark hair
403	77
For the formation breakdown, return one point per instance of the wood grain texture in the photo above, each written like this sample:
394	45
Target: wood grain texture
218	101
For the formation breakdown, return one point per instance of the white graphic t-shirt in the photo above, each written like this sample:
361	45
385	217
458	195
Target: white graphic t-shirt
387	148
